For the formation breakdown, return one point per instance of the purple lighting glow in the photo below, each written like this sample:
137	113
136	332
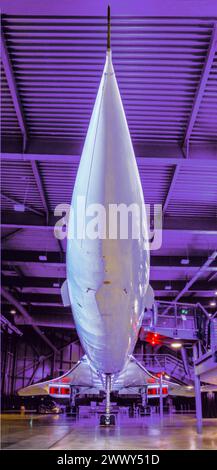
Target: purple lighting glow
165	61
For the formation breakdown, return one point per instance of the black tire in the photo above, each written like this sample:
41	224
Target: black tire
102	420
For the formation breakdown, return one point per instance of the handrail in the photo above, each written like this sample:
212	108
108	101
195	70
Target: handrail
177	315
189	322
165	360
172	303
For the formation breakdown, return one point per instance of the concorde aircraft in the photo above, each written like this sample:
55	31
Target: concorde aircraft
107	281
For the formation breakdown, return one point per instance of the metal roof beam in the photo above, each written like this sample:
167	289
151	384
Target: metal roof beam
16	201
203	268
171	188
7	325
37	176
203	300
201	88
13	89
51	282
9	235
41	190
188	285
14	220
46	300
13	301
46	320
69	151
53	257
37	298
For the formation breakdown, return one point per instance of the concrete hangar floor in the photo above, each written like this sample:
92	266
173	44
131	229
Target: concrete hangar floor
59	432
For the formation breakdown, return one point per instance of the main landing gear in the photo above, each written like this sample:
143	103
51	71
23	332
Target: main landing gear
108	419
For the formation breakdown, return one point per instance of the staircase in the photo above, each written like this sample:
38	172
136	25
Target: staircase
206	364
167	363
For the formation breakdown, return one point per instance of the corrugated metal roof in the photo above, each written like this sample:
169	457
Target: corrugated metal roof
39	240
59	179
58	63
195	192
194	195
9	122
19	183
155	182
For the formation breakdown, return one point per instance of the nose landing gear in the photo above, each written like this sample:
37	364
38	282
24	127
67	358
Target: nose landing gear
108	419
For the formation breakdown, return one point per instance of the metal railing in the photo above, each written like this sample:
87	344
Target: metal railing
179	315
185	318
167	363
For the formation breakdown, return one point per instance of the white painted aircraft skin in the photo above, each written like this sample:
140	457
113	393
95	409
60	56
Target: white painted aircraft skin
107	279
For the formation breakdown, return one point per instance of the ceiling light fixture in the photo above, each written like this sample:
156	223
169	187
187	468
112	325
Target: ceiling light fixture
185	261
42	257
212	303
13	311
56	284
176	345
19	207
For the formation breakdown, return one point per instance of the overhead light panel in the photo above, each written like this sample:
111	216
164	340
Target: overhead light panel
19	207
176	345
42	257
13	311
56	284
212	303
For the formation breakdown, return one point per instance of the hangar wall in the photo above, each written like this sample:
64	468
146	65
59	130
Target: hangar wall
21	365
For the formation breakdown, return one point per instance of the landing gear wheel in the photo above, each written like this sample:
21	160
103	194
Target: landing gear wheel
107	420
102	420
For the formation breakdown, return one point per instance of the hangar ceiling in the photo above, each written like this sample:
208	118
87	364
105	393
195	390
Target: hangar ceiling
166	68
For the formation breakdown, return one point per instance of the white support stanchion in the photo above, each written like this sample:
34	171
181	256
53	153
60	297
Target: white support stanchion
108	401
198	402
161	398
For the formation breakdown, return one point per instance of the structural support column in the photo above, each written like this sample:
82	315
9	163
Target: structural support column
72	398
198	403
161	398
144	396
